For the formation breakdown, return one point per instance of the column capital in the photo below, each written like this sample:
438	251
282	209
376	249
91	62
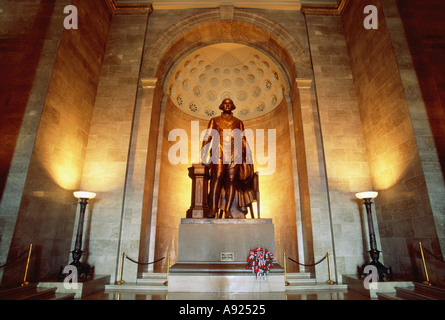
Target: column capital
303	83
149	83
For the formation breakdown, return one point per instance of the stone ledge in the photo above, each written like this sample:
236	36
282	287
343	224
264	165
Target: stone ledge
225	221
84	288
225	283
217	268
356	283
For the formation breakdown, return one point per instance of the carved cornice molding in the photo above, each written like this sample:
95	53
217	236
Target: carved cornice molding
210	4
324	10
129	8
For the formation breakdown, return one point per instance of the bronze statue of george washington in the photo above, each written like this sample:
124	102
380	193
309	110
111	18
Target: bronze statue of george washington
226	152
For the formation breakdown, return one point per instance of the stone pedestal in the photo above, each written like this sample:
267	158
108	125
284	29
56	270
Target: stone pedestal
203	240
212	256
200	184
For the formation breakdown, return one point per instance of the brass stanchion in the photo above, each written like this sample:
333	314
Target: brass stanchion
168	270
25	282
424	266
329	269
120	281
286	283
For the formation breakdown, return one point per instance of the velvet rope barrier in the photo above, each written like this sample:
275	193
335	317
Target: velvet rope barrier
16	260
435	257
309	265
144	263
330	281
25	282
120	281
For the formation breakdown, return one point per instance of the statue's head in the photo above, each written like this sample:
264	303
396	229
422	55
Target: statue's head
227	105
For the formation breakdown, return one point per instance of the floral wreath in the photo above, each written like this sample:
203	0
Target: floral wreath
260	261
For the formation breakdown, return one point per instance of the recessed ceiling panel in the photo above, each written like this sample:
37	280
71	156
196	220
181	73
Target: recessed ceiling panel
205	77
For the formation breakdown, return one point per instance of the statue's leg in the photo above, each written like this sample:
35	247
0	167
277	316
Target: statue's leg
231	180
215	186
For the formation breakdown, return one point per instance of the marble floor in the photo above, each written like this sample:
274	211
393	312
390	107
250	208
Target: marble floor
319	295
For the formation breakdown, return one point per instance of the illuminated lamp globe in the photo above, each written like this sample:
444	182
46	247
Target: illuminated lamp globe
84	195
367	195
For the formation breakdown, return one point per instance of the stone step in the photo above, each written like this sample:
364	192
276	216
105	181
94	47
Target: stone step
163	276
33	292
388	296
14	293
136	287
39	294
217	268
151	282
160	278
301	281
58	296
298	275
419	291
152	279
412	294
430	290
83	289
153	275
356	283
147	282
316	286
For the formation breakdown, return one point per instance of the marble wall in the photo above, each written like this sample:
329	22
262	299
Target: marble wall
396	135
46	214
106	169
347	170
23	98
419	48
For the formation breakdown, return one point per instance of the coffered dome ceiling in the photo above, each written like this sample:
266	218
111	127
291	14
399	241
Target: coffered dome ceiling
205	77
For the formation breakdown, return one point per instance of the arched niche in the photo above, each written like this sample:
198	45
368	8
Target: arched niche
160	211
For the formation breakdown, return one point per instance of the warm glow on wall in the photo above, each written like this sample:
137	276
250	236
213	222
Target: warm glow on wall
267	205
104	176
64	177
387	171
62	165
183	194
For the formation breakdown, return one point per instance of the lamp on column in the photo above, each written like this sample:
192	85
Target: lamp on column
374	253
83	196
